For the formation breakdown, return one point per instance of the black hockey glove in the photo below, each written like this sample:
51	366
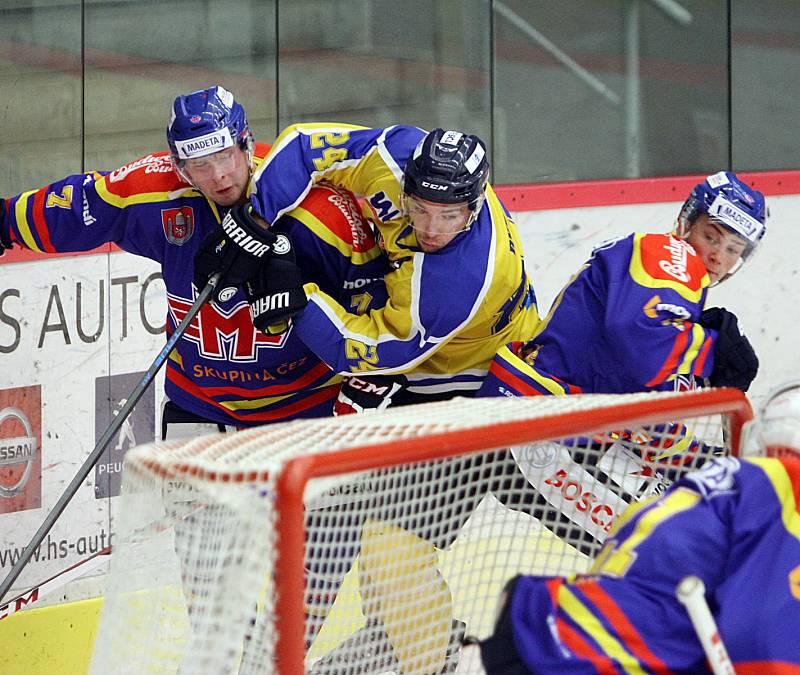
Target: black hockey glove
5	243
276	292
238	250
364	393
735	361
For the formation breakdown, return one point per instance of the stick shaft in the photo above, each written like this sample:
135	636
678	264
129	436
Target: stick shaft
691	593
112	429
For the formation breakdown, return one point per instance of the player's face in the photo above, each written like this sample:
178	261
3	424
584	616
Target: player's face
221	176
719	248
436	225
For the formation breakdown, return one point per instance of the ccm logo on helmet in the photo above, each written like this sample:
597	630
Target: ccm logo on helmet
433	186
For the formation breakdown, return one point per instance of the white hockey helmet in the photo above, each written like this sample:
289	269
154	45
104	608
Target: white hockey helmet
775	432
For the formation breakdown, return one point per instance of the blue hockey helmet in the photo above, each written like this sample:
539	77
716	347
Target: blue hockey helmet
729	202
207	121
448	167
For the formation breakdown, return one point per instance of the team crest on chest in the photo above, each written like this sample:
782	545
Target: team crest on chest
178	224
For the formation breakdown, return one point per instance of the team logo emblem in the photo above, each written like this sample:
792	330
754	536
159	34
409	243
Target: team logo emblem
178	224
194	119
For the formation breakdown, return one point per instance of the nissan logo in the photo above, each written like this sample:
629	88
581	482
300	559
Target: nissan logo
17	450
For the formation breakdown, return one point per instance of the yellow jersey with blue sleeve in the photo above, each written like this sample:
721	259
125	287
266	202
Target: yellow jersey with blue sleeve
448	312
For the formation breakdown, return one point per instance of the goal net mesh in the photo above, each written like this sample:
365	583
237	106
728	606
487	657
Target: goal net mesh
372	543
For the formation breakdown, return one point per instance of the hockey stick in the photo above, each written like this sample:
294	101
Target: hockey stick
112	429
691	593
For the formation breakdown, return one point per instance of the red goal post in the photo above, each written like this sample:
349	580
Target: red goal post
279	463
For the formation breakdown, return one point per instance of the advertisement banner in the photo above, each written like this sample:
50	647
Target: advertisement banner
137	428
76	335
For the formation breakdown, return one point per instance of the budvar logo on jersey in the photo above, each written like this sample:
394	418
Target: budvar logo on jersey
678	258
145	161
349	210
204	145
178	224
725	212
20	455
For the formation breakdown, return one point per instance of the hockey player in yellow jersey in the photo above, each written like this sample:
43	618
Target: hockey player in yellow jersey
458	288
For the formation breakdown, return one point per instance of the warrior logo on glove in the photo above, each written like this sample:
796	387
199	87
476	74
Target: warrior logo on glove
241	238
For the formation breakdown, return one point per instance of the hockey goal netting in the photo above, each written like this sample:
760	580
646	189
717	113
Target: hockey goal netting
370	543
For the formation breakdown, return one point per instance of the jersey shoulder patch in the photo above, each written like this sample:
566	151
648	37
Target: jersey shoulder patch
148	174
661	260
260	151
717	477
339	211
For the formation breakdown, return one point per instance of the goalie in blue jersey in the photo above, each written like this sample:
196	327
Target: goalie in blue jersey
735	524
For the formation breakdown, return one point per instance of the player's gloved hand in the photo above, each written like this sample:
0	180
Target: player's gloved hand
365	393
238	250
5	243
735	360
276	292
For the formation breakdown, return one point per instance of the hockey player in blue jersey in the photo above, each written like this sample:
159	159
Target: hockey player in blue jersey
633	317
442	227
735	524
173	207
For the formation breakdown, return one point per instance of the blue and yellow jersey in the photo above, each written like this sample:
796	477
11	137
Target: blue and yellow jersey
448	312
222	369
626	322
735	524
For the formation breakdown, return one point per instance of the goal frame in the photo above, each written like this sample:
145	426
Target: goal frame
289	582
290	484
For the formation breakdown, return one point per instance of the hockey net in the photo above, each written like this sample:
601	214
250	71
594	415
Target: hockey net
371	543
